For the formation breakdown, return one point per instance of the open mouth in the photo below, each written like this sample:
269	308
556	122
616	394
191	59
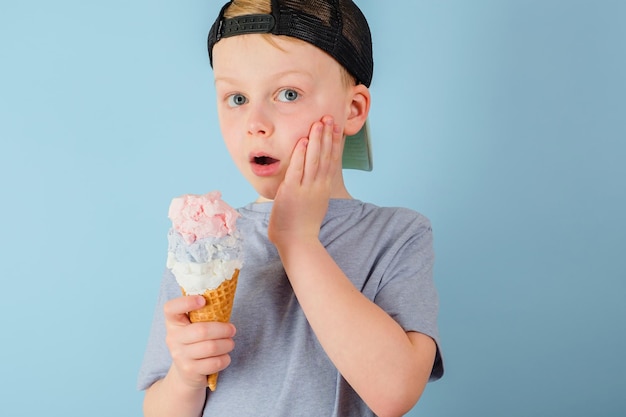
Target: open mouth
264	165
264	160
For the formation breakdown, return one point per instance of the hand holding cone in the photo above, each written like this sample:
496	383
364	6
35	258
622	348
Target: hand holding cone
218	307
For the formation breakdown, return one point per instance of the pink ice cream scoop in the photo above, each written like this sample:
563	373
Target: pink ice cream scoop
200	216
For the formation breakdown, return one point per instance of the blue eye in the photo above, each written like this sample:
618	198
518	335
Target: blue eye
288	95
236	100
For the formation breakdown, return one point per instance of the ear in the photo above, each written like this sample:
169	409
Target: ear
358	109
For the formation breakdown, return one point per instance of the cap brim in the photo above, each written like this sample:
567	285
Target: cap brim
357	151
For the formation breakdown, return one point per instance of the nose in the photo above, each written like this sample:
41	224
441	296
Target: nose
259	121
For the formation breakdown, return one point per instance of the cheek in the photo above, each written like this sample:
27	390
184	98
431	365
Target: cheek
335	108
231	141
294	128
235	150
227	125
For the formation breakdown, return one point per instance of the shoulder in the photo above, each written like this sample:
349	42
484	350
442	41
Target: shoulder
398	218
371	226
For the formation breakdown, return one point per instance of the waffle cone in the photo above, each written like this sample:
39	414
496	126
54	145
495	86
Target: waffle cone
218	306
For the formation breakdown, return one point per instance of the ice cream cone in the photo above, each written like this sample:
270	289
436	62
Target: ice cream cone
205	255
218	307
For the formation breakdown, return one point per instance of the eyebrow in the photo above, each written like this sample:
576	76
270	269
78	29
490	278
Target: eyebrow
278	75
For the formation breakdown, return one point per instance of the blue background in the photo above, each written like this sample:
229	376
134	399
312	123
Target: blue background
502	121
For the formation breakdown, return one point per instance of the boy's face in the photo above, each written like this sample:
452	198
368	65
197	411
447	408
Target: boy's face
268	97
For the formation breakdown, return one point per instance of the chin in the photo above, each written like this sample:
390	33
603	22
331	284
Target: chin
266	191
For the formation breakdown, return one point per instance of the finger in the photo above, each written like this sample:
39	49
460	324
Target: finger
208	366
311	163
210	348
326	147
336	149
198	369
176	309
203	331
296	165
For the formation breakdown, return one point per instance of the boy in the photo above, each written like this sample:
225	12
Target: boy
335	308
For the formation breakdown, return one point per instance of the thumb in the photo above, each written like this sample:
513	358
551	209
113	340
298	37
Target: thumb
176	310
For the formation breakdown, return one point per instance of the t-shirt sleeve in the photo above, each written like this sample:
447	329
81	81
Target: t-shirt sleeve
157	359
407	291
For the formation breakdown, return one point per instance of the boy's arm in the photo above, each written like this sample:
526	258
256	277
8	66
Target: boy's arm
386	366
168	397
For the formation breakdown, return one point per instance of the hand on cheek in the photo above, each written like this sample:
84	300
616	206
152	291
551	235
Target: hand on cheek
302	199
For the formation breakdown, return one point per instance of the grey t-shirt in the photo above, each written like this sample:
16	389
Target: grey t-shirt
278	367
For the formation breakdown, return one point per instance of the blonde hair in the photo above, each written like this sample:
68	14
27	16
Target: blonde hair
244	7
